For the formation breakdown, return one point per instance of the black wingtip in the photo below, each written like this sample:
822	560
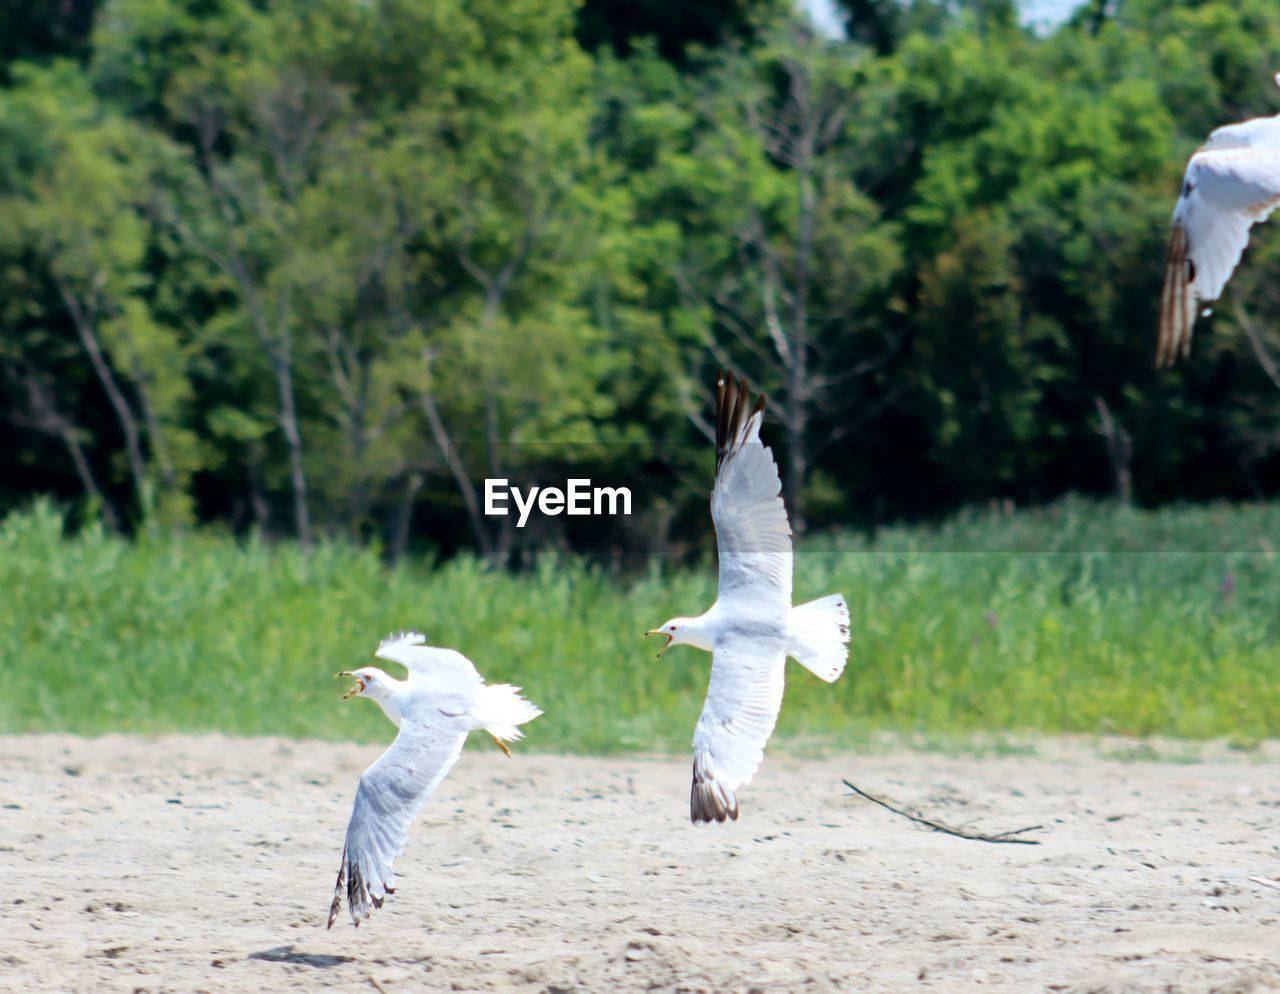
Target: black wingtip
733	411
1179	304
336	907
708	801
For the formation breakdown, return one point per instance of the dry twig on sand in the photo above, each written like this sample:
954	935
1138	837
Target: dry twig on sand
959	833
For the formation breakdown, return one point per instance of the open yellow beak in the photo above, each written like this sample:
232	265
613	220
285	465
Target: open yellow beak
666	646
354	690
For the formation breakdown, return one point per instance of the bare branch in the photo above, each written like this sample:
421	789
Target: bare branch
693	411
457	468
937	826
1265	359
728	314
84	318
851	424
1119	449
45	417
274	339
336	352
827	381
772	322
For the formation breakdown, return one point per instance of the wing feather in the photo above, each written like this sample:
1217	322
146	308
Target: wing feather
410	650
391	793
753	536
742	705
1177	302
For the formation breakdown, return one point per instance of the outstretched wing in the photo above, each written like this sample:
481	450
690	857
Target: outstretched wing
391	793
1225	192
399	644
410	650
743	700
752	532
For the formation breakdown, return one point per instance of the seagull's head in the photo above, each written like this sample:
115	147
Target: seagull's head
370	682
678	631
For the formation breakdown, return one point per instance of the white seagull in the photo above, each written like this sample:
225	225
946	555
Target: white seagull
1231	184
752	628
443	700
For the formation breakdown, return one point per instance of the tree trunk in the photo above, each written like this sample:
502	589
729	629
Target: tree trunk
404	518
358	504
257	497
76	451
458	469
155	435
796	467
273	338
288	420
500	554
83	319
799	387
48	419
1119	451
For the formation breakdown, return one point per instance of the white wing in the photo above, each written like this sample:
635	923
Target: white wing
752	532
410	650
1225	192
391	793
743	700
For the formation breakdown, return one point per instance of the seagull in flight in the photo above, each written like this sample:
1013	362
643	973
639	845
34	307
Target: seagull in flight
752	628
443	700
1231	184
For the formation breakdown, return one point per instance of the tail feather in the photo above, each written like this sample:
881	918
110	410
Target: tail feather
502	710
820	636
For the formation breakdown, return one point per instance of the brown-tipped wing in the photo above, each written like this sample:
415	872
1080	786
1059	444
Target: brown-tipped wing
753	536
1225	192
391	793
742	705
733	411
1177	301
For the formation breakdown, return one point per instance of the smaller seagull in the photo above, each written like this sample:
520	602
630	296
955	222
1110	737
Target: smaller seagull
752	627
442	701
1231	184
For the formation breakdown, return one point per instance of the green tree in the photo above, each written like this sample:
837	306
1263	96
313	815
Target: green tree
782	254
83	218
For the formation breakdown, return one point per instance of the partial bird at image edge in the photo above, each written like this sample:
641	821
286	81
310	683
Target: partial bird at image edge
1232	182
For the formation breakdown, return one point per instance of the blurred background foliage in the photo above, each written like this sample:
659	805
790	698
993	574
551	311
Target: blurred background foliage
956	630
315	268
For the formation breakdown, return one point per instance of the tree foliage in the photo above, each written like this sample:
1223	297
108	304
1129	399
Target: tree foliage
324	267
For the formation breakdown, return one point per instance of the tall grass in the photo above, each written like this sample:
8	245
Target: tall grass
1080	618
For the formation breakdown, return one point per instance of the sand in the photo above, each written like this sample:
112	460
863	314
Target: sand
207	864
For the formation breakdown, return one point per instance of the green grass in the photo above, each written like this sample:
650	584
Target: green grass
1079	618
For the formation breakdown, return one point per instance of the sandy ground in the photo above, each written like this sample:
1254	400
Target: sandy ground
206	864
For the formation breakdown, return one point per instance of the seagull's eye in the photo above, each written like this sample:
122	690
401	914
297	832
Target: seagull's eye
673	628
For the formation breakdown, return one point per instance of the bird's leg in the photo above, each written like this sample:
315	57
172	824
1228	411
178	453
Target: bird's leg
501	745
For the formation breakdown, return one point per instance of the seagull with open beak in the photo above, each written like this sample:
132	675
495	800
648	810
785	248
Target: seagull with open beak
376	685
752	627
683	631
443	701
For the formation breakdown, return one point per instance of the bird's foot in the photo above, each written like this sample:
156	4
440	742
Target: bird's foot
501	745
